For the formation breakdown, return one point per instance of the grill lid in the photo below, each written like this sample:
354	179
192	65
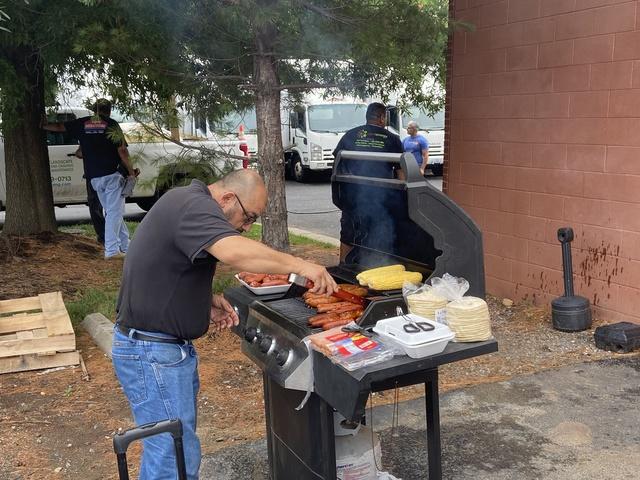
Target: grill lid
405	221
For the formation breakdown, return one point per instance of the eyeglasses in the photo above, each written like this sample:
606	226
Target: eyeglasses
249	218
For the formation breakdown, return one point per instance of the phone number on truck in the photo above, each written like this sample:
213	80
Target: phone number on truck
60	179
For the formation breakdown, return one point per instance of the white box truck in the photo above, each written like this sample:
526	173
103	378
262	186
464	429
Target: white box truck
311	131
156	158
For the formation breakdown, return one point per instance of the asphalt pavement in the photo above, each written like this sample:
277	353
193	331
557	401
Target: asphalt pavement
574	423
309	205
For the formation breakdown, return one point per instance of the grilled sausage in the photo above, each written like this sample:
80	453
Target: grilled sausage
336	323
277	276
251	277
324	318
273	282
320	300
353	289
338	307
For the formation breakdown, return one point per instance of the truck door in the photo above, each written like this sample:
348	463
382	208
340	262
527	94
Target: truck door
66	169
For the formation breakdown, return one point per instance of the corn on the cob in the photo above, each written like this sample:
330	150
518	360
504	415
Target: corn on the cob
363	277
394	280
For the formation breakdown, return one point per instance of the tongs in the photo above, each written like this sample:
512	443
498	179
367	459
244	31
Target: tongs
303	283
412	326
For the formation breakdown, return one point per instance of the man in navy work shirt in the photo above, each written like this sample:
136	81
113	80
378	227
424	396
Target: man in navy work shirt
166	301
103	149
371	137
417	145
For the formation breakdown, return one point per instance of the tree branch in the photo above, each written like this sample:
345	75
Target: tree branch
304	86
326	13
160	133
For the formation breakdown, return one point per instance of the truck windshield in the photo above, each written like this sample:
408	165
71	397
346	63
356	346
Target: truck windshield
231	122
425	121
336	118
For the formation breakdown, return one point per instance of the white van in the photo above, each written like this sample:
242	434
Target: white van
161	162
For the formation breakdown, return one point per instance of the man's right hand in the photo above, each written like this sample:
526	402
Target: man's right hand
323	283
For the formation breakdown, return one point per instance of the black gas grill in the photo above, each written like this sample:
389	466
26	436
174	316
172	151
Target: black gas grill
407	221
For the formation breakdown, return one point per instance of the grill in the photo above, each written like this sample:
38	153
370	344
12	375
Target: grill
397	221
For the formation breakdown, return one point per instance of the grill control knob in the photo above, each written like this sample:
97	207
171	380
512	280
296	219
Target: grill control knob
281	357
265	343
250	334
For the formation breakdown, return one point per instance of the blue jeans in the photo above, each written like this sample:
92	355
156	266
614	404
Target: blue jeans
160	381
116	234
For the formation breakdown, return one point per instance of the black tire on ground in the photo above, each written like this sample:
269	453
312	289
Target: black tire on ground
437	169
299	173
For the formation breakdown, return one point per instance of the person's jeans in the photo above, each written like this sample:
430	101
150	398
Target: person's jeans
116	234
161	382
95	210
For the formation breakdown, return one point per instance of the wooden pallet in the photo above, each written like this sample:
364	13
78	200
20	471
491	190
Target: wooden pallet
36	332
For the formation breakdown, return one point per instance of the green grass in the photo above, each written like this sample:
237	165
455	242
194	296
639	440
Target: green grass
93	300
87	230
256	234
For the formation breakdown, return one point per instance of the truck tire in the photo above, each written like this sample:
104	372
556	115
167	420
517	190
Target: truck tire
147	202
437	169
298	172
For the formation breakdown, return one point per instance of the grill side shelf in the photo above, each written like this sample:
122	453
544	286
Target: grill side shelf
348	391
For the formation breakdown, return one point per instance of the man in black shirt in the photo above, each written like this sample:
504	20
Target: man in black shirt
371	137
103	149
166	301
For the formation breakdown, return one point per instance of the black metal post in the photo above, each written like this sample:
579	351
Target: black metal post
565	236
432	403
123	470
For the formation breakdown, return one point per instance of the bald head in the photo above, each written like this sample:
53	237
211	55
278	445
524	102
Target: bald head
242	196
412	128
241	181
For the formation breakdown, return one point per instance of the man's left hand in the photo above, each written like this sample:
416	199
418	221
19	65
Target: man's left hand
222	314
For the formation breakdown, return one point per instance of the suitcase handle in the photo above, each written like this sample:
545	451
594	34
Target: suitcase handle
121	442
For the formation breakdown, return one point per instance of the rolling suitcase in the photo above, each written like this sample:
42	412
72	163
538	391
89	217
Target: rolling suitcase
122	440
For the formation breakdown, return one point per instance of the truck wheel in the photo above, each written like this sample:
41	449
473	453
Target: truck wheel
147	202
437	169
298	172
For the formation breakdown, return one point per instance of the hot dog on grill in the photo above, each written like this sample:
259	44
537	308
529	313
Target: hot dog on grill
353	289
338	307
324	318
315	302
337	323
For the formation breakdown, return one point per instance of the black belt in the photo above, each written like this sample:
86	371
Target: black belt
147	338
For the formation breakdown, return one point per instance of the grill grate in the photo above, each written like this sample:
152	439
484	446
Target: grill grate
295	311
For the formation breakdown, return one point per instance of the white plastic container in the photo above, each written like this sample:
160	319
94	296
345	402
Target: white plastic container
416	345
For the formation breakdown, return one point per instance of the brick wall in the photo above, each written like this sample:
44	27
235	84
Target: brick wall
544	118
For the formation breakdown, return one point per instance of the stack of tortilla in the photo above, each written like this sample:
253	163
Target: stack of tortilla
426	303
468	317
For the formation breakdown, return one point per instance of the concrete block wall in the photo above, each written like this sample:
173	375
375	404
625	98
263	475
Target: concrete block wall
544	131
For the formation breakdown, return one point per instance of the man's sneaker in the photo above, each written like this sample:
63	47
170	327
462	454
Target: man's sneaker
117	255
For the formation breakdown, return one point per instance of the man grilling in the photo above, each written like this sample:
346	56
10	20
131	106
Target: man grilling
371	137
166	301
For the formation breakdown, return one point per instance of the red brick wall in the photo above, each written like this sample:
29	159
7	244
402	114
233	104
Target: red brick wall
544	118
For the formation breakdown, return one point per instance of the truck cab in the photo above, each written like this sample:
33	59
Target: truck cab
311	131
